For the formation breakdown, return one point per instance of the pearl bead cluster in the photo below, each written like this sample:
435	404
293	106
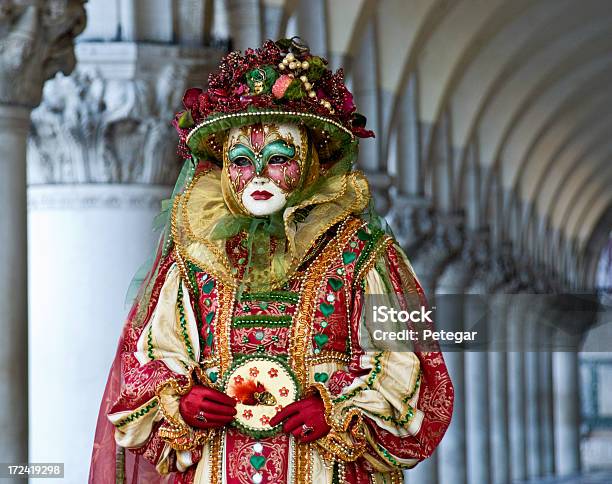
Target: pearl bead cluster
293	64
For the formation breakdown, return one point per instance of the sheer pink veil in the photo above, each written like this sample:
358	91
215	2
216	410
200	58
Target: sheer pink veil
109	462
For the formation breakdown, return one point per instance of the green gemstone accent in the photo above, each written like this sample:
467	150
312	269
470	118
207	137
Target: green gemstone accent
210	316
208	287
207	302
245	307
362	234
209	339
324	324
317	351
340	271
213	376
321	339
263	305
259	335
275	338
321	377
282	307
245	339
334	283
241	261
353	244
348	257
257	461
326	309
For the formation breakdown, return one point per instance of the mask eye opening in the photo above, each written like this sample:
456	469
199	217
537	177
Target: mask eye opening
241	161
278	160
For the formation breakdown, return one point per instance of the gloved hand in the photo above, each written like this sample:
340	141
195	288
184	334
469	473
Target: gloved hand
207	408
305	419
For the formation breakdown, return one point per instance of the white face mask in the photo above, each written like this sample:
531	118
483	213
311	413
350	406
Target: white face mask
265	164
263	197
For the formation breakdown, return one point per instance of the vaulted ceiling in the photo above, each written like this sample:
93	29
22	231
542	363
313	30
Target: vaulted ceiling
515	93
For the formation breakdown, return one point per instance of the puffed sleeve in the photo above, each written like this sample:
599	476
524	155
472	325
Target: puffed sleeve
397	399
158	359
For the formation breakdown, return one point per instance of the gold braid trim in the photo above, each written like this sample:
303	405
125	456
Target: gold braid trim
216	457
174	430
300	347
222	328
302	330
346	440
328	357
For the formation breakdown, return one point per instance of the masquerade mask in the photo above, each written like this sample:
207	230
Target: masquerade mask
265	164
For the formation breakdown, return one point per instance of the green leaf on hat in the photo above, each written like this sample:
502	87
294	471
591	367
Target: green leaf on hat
186	120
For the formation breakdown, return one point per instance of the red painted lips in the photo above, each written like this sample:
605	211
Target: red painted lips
261	195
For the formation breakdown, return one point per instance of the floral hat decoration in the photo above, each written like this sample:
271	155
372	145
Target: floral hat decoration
279	82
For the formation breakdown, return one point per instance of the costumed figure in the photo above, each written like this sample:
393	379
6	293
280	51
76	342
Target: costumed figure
248	356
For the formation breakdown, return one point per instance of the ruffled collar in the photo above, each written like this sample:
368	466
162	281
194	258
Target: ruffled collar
202	223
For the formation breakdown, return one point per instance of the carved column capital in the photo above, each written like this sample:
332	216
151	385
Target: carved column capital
412	220
110	121
440	249
36	42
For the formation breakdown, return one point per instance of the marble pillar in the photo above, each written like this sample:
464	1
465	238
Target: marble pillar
102	157
566	413
546	412
35	43
516	392
430	262
245	21
498	391
477	392
311	20
532	391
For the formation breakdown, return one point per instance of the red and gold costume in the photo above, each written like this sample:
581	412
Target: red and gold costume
270	332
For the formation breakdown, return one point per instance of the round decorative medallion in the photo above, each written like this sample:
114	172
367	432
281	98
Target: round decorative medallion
262	385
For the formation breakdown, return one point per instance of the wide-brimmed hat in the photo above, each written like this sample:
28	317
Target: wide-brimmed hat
279	82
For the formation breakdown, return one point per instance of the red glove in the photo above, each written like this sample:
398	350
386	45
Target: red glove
305	419
207	408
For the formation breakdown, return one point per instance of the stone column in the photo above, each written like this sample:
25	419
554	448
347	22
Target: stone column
430	262
368	100
477	318
410	213
245	23
516	392
35	43
102	157
498	287
532	388
464	454
312	25
498	391
566	413
545	400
